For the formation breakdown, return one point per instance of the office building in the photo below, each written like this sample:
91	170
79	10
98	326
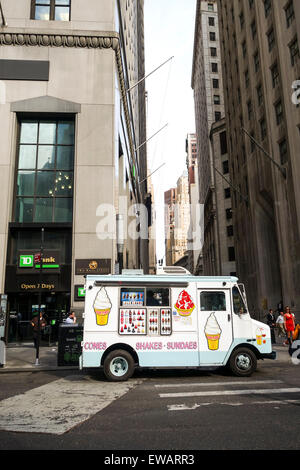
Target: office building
71	162
261	64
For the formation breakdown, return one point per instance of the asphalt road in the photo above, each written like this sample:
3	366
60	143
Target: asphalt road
155	410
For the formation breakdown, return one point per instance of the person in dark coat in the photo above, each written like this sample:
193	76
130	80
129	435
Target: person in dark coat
271	321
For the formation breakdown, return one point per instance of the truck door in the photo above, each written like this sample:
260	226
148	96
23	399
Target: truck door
215	325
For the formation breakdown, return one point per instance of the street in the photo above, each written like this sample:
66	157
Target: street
155	410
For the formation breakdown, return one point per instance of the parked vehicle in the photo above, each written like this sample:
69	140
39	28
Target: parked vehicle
170	320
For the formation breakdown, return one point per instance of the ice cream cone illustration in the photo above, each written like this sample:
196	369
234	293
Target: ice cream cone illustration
212	332
102	307
184	304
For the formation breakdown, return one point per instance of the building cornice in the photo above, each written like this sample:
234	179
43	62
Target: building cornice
57	38
75	39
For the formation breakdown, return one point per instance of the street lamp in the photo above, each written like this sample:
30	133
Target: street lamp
41	255
120	240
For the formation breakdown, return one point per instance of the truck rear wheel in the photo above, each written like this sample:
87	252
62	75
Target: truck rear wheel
243	362
118	366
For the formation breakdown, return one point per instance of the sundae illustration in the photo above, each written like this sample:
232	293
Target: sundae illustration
102	306
212	332
184	304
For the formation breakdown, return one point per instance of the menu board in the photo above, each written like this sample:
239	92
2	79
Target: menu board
132	321
141	321
153	321
165	321
132	298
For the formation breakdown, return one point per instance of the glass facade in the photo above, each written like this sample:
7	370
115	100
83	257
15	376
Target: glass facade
44	183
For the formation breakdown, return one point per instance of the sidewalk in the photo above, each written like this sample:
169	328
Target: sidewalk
22	358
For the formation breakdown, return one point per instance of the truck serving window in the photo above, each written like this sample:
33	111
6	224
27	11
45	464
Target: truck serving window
159	297
213	301
238	302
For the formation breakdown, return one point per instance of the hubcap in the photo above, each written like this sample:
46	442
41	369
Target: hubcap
243	361
119	366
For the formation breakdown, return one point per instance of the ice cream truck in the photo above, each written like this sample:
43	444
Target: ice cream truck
169	320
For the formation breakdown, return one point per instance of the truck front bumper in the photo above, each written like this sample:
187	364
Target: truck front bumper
271	355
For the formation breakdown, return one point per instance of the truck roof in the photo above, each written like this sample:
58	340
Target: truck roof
169	279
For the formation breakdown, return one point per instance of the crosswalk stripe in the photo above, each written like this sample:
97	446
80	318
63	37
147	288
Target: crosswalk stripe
60	405
215	384
230	392
184	407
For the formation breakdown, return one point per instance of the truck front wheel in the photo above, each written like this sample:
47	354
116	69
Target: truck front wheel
243	362
118	366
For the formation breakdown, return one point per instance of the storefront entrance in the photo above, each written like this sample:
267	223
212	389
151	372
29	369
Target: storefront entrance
21	308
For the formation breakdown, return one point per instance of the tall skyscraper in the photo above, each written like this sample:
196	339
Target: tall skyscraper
217	255
260	56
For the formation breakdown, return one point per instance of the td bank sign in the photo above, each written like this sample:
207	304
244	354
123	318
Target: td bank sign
32	261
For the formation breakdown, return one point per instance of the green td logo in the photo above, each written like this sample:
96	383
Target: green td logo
26	261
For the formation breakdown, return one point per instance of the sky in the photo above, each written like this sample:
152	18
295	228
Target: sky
169	31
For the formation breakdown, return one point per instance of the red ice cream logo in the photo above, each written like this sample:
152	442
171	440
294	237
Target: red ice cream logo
184	304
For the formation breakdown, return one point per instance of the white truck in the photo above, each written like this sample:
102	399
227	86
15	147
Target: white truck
169	320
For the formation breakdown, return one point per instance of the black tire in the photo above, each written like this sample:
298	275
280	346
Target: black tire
118	366
243	362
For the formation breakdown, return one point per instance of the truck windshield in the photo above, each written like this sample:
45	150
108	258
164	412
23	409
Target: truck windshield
238	301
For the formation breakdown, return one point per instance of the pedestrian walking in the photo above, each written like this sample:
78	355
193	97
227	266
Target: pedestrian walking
289	325
36	330
272	323
280	325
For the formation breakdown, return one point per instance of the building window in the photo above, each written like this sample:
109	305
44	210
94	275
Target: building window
256	61
44	183
253	29
229	214
247	78
55	10
250	110
294	51
210	7
275	75
244	48
260	97
225	167
231	253
263	129
212	36
278	112
283	151
214	67
271	39
223	143
290	14
227	193
267	7
213	52
217	99
215	83
211	21
230	231
242	20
